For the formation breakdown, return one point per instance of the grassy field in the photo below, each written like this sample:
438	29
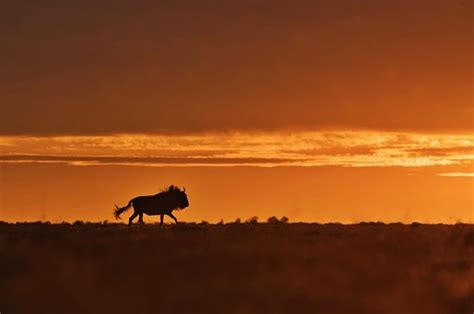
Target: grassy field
236	268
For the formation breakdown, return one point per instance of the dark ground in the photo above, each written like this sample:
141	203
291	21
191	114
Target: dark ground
236	268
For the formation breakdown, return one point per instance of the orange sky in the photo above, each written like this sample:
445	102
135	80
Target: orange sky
328	193
318	110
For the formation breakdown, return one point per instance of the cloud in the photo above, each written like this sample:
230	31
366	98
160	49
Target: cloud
144	161
176	67
457	174
349	149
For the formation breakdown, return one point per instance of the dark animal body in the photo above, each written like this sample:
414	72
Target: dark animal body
161	204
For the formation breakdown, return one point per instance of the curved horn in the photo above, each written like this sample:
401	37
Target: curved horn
184	189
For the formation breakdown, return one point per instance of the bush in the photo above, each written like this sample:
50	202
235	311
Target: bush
273	220
252	220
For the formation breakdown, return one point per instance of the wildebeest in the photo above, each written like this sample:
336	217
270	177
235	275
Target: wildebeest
161	204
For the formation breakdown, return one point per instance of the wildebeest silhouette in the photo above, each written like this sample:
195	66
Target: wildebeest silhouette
161	204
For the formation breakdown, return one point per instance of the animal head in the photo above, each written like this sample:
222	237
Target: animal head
180	196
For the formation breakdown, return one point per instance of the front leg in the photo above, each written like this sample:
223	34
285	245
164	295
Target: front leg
161	219
172	216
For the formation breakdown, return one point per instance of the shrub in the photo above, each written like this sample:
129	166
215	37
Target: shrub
272	220
275	220
252	220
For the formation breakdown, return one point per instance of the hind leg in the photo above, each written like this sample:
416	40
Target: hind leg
130	220
161	219
140	218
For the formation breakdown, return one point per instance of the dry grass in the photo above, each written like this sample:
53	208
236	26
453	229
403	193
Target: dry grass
236	268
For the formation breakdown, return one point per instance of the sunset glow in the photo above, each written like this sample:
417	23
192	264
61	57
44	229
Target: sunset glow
349	149
236	156
317	110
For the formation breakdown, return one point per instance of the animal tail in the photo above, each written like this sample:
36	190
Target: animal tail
120	210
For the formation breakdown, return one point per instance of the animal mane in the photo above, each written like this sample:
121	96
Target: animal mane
170	189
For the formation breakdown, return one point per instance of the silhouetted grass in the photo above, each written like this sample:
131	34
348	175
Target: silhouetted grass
236	268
